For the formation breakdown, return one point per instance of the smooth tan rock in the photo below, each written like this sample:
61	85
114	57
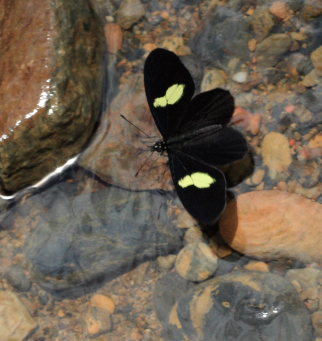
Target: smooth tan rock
129	13
15	320
276	153
274	224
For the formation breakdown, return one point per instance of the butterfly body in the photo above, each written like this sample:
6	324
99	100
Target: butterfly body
194	133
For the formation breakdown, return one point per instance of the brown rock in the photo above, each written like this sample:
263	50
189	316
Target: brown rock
50	88
118	153
257	266
274	224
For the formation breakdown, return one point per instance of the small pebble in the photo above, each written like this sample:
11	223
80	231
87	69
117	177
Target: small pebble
258	176
103	302
240	77
257	266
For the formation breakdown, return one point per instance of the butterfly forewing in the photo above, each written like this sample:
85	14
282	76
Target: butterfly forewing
169	88
201	189
208	108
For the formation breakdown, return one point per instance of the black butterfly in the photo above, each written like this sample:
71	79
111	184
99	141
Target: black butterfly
195	134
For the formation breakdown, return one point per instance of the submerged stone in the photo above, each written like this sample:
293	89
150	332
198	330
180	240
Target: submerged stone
81	241
51	86
238	306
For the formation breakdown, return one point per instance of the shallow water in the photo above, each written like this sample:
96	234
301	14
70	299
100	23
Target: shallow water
98	229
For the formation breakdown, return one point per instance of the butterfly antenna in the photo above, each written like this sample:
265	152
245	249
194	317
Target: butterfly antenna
143	164
144	133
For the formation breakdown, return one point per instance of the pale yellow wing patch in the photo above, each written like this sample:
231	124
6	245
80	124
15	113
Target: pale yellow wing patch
198	179
172	96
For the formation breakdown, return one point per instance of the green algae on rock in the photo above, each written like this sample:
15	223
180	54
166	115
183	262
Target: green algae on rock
51	88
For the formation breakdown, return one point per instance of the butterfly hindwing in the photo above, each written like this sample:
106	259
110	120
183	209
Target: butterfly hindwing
219	147
201	188
169	88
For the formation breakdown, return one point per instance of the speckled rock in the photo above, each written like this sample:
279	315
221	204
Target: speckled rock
238	306
214	78
311	9
196	262
50	90
85	239
274	224
271	49
316	57
16	324
276	153
262	23
130	12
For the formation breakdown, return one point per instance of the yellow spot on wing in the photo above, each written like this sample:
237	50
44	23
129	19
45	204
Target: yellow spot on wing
198	179
172	96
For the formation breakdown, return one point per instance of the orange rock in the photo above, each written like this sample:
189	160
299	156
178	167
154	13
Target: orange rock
280	9
114	37
274	224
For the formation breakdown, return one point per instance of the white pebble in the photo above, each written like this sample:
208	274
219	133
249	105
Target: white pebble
240	77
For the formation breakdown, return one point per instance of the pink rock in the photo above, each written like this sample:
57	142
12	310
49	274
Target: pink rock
246	120
274	224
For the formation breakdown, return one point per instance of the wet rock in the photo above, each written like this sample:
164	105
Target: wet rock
272	49
312	99
61	66
16	324
17	278
262	23
196	262
317	322
311	79
98	321
307	173
212	79
272	225
280	10
308	284
117	160
316	57
103	302
276	153
246	120
311	9
225	34
114	37
129	13
86	239
240	77
238	306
